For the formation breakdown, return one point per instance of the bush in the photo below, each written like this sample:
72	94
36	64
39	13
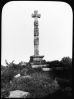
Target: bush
39	85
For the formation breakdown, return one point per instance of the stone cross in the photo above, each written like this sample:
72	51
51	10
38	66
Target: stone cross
36	15
36	33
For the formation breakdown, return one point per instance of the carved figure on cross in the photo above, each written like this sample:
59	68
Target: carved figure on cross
36	15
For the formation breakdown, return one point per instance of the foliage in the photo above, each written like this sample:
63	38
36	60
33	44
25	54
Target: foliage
39	85
66	60
2	67
41	82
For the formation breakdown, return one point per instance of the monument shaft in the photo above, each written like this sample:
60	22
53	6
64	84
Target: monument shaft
36	33
36	38
36	59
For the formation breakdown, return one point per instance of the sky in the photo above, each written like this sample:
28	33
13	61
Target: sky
55	30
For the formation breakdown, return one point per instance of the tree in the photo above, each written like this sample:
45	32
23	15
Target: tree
66	60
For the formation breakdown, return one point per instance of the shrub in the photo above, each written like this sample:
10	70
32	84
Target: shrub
39	85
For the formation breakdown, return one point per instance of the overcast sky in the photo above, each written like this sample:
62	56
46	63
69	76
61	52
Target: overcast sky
55	30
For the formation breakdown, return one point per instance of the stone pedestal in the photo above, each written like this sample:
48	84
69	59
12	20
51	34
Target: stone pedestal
36	58
37	61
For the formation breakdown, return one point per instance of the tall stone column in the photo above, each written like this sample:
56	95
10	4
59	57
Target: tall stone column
36	33
36	59
36	38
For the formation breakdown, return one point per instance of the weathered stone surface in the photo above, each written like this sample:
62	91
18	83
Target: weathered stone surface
18	75
18	94
46	69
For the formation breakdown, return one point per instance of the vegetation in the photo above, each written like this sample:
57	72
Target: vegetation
57	82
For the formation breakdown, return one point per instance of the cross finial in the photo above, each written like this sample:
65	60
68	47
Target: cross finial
36	15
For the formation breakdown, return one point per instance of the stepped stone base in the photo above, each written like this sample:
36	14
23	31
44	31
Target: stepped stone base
37	61
36	58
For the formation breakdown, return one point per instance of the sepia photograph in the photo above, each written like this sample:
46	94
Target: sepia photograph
36	49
